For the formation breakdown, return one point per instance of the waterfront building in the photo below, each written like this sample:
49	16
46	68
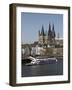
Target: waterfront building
47	38
48	43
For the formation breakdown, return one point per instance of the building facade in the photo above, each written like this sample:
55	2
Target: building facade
48	44
47	37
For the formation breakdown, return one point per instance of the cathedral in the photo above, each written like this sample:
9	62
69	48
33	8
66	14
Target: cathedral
47	38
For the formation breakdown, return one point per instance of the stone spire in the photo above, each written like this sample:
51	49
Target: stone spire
53	32
42	31
49	31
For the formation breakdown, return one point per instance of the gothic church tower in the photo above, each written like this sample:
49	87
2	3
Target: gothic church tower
42	36
47	37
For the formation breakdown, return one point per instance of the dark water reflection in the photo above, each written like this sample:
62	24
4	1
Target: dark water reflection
43	70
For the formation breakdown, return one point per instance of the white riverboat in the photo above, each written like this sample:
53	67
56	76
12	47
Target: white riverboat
36	61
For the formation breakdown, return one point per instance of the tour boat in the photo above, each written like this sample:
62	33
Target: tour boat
37	61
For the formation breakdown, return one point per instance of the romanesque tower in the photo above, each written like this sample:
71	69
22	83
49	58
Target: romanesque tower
47	38
49	35
42	36
53	35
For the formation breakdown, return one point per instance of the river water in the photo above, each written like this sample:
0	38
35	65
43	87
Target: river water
43	70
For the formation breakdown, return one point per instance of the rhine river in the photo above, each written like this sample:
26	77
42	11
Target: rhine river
43	70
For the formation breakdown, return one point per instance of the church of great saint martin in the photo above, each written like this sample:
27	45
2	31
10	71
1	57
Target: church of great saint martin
47	37
48	43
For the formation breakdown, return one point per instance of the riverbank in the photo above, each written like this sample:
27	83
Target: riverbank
48	69
40	60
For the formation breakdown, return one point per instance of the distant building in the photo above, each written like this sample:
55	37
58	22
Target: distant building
37	50
59	41
26	50
33	51
47	37
48	44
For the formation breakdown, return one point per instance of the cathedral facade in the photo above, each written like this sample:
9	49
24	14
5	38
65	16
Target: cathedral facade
47	37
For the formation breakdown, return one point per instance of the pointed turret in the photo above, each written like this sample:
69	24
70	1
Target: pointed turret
49	26
42	31
53	32
49	31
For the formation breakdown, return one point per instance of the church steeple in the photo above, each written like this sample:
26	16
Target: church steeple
42	30
49	31
53	32
49	27
53	27
47	37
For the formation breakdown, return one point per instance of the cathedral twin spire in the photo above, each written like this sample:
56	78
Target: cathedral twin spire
50	33
42	31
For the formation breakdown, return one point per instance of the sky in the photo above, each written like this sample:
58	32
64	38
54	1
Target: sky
31	23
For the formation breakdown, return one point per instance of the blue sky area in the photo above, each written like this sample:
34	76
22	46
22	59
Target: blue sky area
31	23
